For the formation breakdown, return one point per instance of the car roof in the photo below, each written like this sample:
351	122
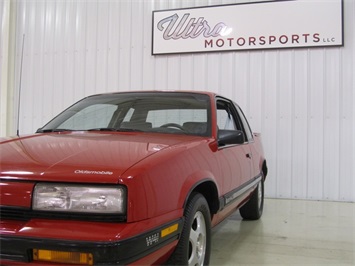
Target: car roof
210	94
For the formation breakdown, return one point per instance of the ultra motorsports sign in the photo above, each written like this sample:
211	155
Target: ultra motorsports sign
262	25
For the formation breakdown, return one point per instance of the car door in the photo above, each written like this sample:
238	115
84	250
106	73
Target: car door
234	160
252	145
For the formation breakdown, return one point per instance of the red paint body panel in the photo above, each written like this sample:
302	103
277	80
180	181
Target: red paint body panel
56	157
159	171
16	194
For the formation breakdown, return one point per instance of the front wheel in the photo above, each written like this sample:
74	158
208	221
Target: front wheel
253	209
195	241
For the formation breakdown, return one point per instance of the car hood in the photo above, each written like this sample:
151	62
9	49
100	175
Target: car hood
79	156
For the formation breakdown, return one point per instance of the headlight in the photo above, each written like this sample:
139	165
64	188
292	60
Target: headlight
77	198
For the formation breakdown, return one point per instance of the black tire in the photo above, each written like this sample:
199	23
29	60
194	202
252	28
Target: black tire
253	209
195	241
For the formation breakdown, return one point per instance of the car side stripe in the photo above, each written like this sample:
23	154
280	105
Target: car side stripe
233	195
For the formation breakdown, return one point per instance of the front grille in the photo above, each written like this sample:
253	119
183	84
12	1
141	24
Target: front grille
25	214
7	213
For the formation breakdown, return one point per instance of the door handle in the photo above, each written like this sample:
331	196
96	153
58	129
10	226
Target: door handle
249	155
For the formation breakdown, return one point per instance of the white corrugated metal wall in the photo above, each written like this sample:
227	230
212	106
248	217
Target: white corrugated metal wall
302	101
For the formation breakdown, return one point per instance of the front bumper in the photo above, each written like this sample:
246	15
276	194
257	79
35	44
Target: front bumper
118	252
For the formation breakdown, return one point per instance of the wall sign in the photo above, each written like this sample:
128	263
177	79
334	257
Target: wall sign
262	25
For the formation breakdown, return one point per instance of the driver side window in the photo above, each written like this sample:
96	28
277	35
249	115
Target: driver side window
226	118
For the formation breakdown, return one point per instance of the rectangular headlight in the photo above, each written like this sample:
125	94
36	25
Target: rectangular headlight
79	198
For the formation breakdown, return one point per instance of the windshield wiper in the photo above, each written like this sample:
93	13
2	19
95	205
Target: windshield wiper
102	129
92	129
129	130
114	129
53	130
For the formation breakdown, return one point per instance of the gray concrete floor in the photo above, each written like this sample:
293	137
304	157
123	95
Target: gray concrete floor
290	232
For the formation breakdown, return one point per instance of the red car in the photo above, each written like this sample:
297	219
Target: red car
129	178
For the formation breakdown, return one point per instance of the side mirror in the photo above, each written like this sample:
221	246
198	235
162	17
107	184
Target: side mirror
226	137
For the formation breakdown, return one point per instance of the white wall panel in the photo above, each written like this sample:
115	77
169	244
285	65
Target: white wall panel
302	101
299	128
4	33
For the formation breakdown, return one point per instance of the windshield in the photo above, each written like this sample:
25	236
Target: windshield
164	112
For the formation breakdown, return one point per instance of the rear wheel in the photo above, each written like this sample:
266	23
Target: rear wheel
195	241
253	209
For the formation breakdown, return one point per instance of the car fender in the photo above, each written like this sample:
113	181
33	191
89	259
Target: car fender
165	179
203	182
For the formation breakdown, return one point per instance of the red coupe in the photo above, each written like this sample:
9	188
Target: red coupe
129	178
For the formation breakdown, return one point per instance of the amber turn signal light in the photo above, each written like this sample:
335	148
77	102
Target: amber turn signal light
63	257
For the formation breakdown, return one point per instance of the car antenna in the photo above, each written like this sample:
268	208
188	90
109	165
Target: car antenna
19	90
